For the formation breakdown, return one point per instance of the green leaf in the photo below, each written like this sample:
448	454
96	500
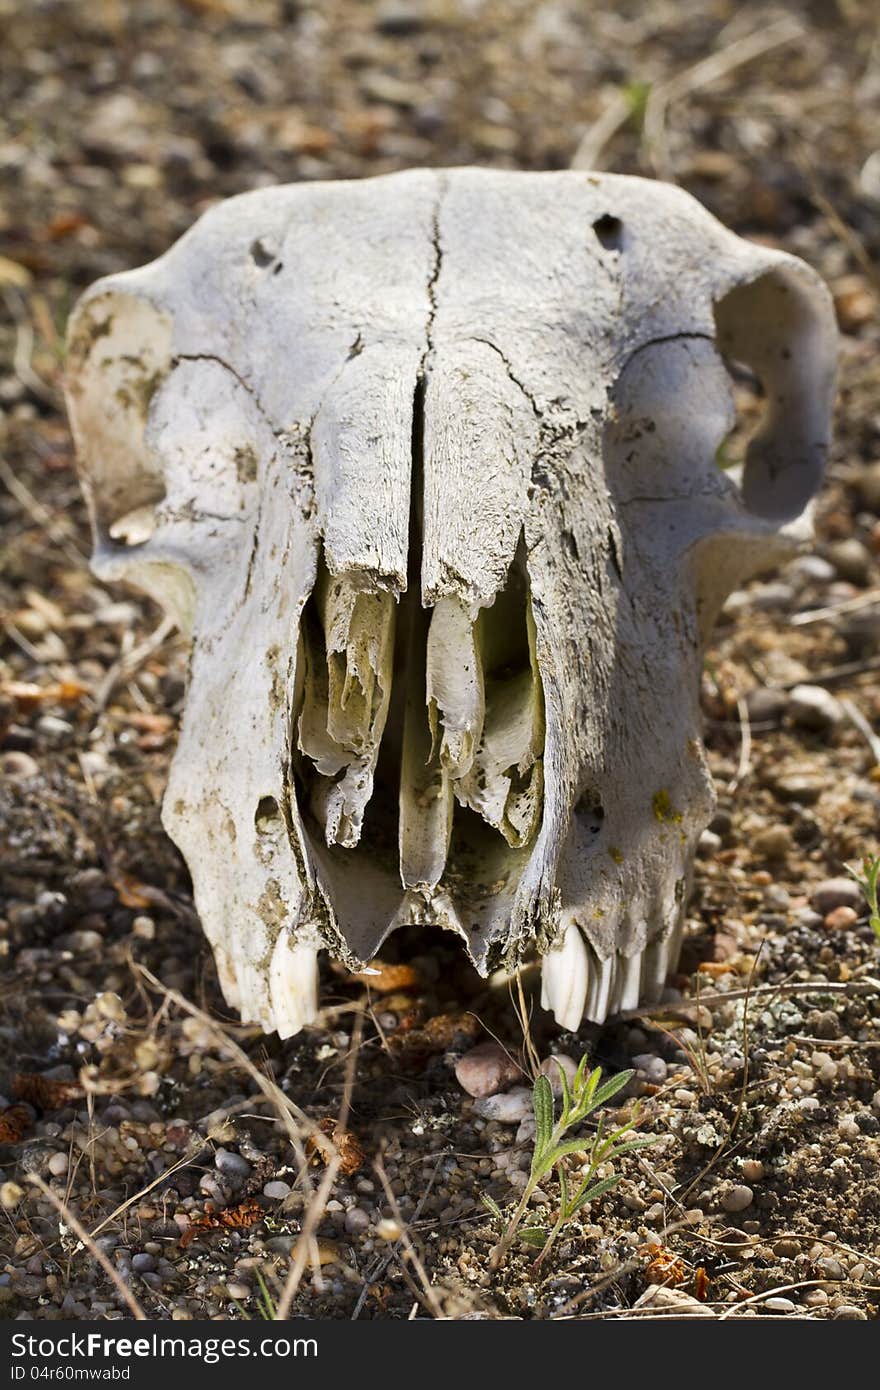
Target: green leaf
631	1144
611	1087
533	1235
579	1075
544	1162
542	1104
563	1189
566	1093
597	1190
492	1206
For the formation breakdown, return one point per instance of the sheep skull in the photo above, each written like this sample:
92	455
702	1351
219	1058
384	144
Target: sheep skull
426	465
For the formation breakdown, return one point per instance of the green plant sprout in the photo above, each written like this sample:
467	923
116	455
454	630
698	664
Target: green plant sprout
867	876
552	1148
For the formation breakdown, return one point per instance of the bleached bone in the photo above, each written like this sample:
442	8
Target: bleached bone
426	464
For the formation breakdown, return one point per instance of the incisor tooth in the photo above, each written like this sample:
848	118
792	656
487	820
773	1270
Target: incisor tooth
630	969
564	979
293	981
601	985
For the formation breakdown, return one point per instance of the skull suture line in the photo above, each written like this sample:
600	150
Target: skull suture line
426	465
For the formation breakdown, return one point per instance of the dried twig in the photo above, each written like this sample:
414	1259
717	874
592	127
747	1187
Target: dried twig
858	720
126	666
679	1008
88	1244
616	114
703	74
305	1248
745	746
40	515
430	1298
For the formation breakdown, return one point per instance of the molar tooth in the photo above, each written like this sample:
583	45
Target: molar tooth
564	979
293	984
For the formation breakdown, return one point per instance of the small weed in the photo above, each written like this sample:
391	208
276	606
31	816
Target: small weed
552	1149
867	876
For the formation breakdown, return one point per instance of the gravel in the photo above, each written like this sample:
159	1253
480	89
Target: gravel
486	1069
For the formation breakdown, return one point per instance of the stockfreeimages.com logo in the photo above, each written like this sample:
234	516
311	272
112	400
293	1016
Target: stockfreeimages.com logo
97	1345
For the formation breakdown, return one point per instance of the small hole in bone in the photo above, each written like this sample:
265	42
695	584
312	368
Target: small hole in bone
590	812
135	527
260	255
267	817
609	230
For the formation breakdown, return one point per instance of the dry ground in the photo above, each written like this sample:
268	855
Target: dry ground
120	122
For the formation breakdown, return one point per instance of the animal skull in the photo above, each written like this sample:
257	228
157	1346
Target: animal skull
426	464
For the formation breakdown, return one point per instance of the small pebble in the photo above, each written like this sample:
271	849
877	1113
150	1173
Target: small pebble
277	1190
652	1068
486	1069
867	485
766	705
752	1169
550	1068
836	892
737	1198
18	766
779	1305
238	1291
356	1221
849	1310
811	569
709	844
509	1109
58	1165
144	928
774	843
386	1229
841	918
851	560
232	1165
813	707
143	1263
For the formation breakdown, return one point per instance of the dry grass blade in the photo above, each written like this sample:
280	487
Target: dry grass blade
703	74
88	1243
680	1009
427	1296
305	1249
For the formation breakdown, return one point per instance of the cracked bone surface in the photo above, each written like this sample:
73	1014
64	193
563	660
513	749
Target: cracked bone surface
426	466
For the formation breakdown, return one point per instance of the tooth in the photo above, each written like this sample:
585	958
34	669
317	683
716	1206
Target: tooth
293	982
601	983
630	975
564	979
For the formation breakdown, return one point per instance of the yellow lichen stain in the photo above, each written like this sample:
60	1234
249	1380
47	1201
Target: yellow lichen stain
664	811
616	854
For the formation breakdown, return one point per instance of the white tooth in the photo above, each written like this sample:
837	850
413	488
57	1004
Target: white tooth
601	985
564	979
630	978
293	982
